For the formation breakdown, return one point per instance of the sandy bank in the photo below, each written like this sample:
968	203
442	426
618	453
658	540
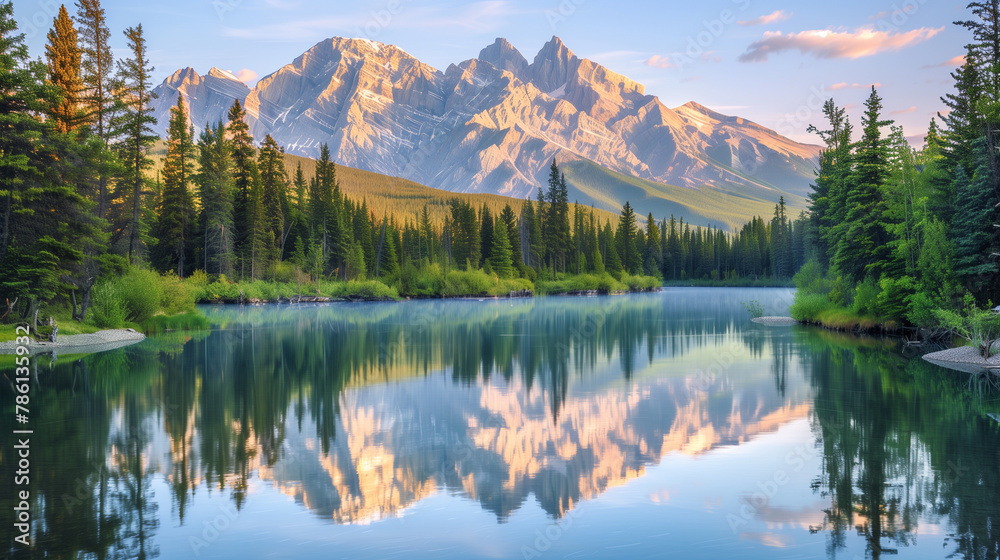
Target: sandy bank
81	343
775	321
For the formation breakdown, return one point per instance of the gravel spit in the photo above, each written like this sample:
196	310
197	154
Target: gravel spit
81	343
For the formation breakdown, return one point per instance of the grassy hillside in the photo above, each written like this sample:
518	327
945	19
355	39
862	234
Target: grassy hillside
594	185
589	184
399	198
404	199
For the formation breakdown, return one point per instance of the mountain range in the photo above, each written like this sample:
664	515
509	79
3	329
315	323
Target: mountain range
494	123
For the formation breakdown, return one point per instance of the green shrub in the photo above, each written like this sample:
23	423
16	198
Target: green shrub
107	310
809	307
891	303
754	308
811	280
189	321
979	326
365	288
178	295
866	298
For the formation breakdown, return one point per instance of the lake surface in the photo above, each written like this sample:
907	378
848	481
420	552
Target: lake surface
648	426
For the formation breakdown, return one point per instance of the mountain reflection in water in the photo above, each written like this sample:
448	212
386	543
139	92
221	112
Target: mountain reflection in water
361	411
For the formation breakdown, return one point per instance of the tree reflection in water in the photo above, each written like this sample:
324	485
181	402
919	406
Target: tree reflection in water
359	410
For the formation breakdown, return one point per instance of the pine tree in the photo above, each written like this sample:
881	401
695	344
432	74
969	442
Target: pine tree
963	121
653	259
864	248
509	219
176	229
781	242
97	75
135	126
610	249
63	55
274	183
44	222
625	239
972	223
829	191
426	250
214	180
244	171
485	235
500	253
556	228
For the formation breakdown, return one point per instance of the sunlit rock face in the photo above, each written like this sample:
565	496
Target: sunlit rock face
491	124
208	98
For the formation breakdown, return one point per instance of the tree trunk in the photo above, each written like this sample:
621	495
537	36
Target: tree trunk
34	315
5	213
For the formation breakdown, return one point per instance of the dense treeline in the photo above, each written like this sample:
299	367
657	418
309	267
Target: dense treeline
82	205
903	235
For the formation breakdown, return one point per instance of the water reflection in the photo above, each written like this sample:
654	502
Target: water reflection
359	412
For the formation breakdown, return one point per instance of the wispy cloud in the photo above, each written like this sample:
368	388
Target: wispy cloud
479	16
247	76
657	61
904	11
905	111
855	85
773	17
950	63
826	43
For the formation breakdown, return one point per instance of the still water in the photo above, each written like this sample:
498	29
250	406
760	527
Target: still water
649	426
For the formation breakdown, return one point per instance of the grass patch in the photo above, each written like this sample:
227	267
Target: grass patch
604	284
189	321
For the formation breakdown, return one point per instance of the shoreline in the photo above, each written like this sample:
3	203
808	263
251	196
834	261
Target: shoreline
88	343
966	359
520	294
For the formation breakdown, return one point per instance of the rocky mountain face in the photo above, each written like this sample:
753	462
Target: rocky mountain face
493	123
208	97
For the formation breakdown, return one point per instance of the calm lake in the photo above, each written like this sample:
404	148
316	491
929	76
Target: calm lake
660	425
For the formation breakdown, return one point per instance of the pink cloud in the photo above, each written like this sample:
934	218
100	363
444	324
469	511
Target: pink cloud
657	61
826	43
905	111
773	17
855	85
246	75
954	62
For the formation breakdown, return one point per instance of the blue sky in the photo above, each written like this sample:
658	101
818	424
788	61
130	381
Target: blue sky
772	62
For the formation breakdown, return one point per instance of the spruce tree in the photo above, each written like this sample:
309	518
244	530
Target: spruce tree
63	56
214	180
44	222
972	224
244	173
509	219
485	235
135	126
274	183
176	231
625	241
500	254
97	98
863	250
653	259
